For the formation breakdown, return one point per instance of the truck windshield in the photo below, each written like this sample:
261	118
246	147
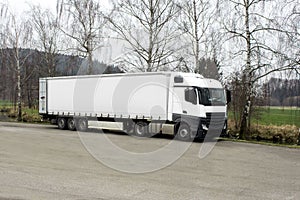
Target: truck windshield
212	96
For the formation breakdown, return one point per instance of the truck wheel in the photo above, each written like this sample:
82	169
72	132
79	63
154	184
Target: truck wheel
62	123
71	124
141	129
128	127
183	132
82	125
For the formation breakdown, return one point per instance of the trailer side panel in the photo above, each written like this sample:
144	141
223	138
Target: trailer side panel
136	96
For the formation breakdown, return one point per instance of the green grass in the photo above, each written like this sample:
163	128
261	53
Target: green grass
31	115
5	103
279	116
30	111
28	114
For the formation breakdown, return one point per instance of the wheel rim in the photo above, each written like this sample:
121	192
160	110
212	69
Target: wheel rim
128	127
71	124
82	124
61	123
183	133
141	129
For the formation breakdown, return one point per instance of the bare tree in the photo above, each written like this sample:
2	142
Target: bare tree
290	42
16	33
45	24
254	31
196	23
238	93
147	29
84	23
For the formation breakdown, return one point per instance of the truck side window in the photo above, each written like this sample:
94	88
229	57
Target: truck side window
190	95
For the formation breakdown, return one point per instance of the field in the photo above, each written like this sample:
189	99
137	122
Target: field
278	116
275	116
272	124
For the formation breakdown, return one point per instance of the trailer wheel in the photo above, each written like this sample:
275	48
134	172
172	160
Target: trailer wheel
62	123
183	132
71	124
82	125
141	129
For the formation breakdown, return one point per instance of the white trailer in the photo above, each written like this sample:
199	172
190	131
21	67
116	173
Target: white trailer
144	104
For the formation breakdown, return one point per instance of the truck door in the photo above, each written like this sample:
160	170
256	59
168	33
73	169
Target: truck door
183	105
43	96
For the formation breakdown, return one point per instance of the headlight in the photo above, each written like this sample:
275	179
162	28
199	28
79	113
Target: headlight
204	127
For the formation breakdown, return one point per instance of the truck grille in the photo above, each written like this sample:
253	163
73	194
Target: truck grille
214	120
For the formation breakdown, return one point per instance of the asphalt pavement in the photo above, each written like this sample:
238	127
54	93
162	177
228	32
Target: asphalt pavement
42	162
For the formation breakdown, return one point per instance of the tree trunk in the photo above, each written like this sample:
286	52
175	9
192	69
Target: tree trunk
151	44
244	129
19	91
90	63
197	62
247	76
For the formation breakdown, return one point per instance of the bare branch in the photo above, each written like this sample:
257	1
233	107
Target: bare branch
85	25
146	28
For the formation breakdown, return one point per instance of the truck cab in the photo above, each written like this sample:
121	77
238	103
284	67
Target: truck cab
200	104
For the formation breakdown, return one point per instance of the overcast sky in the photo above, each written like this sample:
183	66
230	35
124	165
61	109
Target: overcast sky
107	54
21	5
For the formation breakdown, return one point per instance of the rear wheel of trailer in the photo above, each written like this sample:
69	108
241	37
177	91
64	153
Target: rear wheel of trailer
62	123
71	124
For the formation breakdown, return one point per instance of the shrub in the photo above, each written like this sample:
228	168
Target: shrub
287	134
278	134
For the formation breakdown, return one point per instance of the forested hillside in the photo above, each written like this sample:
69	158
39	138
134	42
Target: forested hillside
34	66
282	92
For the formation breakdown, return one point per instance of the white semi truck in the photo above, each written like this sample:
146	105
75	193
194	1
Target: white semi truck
185	105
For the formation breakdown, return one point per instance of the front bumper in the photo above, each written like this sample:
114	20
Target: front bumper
214	125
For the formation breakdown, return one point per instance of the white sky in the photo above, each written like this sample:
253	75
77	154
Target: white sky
19	6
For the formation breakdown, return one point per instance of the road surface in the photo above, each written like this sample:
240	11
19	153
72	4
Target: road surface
42	162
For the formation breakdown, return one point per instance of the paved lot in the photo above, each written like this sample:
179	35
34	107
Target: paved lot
42	162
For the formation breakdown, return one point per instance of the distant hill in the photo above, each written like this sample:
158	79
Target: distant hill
36	64
65	65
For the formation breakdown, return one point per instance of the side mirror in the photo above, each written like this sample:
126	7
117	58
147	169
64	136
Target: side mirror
190	95
228	96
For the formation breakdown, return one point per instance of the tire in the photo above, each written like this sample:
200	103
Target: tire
183	132
71	124
62	123
141	129
82	124
128	127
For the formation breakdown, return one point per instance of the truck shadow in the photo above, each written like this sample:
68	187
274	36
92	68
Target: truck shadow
156	136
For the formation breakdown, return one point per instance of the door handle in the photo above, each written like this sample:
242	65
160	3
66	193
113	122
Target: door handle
184	112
